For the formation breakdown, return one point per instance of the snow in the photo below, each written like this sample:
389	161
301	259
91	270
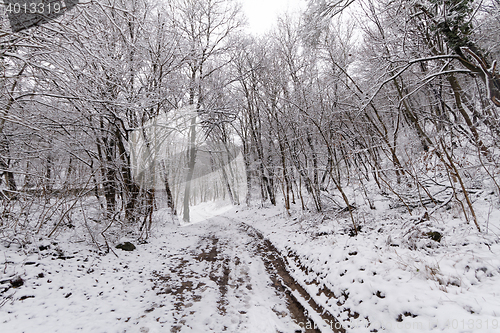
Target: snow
161	286
395	283
207	210
390	277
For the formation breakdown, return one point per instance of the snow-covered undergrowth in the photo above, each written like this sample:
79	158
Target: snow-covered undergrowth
399	274
67	287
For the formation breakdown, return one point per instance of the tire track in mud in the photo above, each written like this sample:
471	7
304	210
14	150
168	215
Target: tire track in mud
219	272
208	261
296	295
180	283
223	259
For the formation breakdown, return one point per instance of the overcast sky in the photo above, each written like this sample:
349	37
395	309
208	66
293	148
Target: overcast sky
262	14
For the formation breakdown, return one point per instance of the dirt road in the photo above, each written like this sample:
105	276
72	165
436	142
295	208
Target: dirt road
234	280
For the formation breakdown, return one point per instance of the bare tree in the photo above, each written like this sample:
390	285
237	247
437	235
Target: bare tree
207	28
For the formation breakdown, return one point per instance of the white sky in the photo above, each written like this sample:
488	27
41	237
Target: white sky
262	14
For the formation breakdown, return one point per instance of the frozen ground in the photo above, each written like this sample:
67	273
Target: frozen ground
202	277
393	276
212	276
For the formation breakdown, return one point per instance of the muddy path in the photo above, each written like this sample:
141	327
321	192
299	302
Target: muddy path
311	316
234	280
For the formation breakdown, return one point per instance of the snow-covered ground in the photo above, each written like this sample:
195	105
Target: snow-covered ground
392	276
207	276
201	277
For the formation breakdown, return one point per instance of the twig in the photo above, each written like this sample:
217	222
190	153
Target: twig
88	228
105	229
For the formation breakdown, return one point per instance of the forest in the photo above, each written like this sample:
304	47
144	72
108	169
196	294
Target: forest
398	95
122	114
